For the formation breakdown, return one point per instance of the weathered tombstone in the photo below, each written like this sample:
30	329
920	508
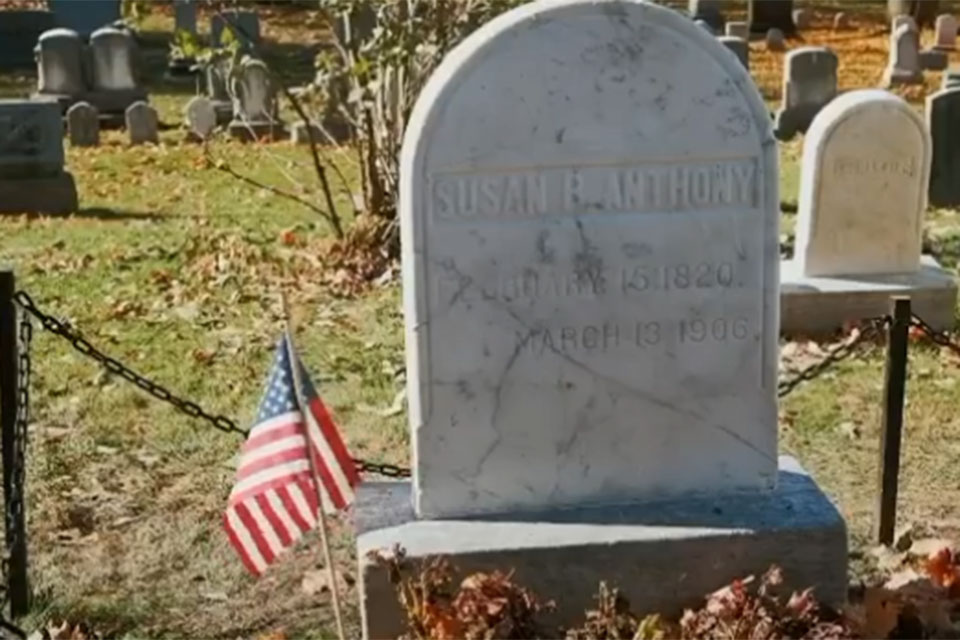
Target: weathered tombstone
943	121
255	104
19	32
185	16
32	179
841	21
83	125
142	123
113	55
863	190
904	64
246	28
946	31
708	10
59	65
216	77
739	47
803	18
738	29
809	83
201	118
764	15
923	11
602	251
933	60
775	40
87	16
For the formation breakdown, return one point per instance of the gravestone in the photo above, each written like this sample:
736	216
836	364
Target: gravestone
946	33
185	16
113	55
181	65
863	191
255	104
923	11
142	123
32	179
216	86
201	118
841	21
737	29
709	10
738	47
83	125
246	28
601	246
933	59
300	133
943	121
803	18
764	15
19	32
904	64
59	55
85	16
899	21
809	83
775	40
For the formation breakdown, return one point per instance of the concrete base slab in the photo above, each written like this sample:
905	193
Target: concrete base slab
48	195
816	305
664	556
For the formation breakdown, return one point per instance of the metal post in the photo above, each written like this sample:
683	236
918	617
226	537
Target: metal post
10	449
894	387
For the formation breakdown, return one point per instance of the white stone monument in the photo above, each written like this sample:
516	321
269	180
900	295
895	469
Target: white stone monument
590	253
863	191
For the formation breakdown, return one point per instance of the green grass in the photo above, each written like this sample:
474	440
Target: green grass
175	268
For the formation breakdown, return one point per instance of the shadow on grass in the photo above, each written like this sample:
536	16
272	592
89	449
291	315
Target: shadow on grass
105	213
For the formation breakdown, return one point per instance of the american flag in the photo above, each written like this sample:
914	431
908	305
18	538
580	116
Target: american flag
274	500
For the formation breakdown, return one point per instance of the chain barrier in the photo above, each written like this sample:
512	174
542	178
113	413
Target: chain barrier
939	337
874	327
192	409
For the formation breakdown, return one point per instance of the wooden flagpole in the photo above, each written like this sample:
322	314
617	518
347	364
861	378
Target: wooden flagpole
322	515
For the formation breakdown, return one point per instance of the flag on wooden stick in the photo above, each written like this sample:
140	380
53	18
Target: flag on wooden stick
293	446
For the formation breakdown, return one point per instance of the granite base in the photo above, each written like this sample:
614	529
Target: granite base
47	195
663	556
818	305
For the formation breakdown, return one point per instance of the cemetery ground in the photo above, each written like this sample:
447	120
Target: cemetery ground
174	267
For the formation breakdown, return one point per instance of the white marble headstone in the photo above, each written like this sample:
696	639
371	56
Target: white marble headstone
254	99
113	52
589	211
863	189
59	63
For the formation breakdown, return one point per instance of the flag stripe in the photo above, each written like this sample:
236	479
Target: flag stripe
267	477
325	462
332	437
290	427
286	527
265	462
250	525
273	521
304	508
265	527
291	508
243	543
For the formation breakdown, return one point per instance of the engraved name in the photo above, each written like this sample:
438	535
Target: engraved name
578	190
848	166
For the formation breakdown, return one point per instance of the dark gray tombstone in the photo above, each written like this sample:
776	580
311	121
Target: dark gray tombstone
924	12
246	28
771	14
19	32
83	125
85	16
255	104
216	88
739	47
710	11
185	16
142	123
32	179
943	120
809	83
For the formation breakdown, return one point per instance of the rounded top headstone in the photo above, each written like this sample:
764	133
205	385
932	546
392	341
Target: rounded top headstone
569	173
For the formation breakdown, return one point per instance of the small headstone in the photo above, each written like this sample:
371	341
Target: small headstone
60	64
764	15
245	28
933	60
863	191
739	47
803	18
185	16
737	29
709	10
19	32
32	179
255	104
809	83
946	30
83	125
142	123
943	120
841	21
904	64
601	247
85	16
775	40
201	117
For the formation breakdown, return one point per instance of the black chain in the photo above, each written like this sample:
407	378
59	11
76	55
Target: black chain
940	337
160	392
874	327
